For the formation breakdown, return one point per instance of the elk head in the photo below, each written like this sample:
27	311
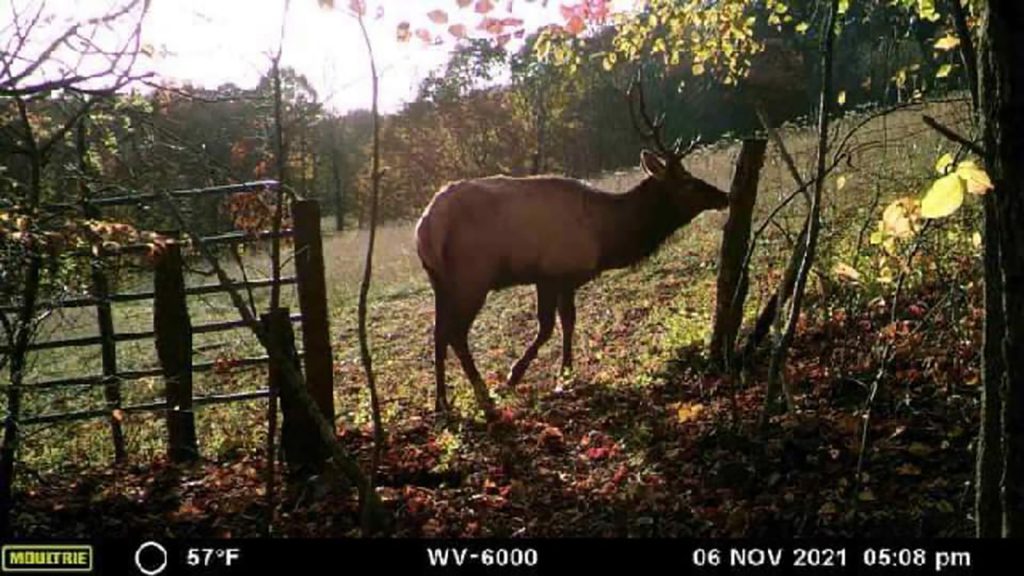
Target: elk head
664	168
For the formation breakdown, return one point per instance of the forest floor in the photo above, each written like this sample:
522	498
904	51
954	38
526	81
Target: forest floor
640	440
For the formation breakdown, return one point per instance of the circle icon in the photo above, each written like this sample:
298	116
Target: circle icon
144	565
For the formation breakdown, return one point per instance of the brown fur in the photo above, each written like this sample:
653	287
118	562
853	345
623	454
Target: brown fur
557	233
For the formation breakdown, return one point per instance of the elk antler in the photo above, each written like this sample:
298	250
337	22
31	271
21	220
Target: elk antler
654	127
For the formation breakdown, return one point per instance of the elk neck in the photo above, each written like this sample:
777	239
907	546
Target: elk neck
637	222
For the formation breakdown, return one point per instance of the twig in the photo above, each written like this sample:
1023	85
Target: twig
950	134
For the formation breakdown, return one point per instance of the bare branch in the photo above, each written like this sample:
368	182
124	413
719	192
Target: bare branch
950	134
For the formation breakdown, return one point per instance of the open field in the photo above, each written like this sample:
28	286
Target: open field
638	438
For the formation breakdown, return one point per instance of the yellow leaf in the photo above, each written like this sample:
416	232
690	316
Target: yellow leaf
943	198
976	178
846	272
943	164
698	69
609	61
908	469
947	42
840	183
842	97
976	240
944	71
802	27
688	412
898	218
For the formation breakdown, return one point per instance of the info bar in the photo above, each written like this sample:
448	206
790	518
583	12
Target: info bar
154	557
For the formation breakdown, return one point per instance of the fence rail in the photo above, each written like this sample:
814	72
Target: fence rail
84	341
155	406
87	301
129	375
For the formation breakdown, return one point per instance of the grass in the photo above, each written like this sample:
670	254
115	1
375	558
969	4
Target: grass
637	331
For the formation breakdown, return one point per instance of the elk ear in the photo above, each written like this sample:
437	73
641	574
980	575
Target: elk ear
652	164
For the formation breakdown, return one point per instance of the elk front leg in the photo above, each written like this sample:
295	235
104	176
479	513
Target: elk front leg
567	315
483	397
465	309
547	299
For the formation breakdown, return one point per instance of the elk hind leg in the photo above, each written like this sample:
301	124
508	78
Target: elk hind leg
442	322
567	315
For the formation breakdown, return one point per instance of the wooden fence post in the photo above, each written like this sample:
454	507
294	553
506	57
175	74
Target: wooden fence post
173	331
108	351
735	240
312	288
303	451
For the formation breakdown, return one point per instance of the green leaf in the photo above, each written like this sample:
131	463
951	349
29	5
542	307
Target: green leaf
944	71
926	10
802	27
944	197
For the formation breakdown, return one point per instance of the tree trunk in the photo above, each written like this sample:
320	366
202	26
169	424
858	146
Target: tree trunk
23	331
732	282
1001	99
987	507
339	192
988	510
364	286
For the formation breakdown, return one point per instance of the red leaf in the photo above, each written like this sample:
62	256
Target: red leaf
457	30
438	16
463	3
620	474
424	35
598	453
483	6
575	25
403	33
357	6
491	25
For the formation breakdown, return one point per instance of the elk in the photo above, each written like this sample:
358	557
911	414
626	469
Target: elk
556	233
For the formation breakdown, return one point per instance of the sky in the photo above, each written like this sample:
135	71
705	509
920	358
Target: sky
209	42
212	42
